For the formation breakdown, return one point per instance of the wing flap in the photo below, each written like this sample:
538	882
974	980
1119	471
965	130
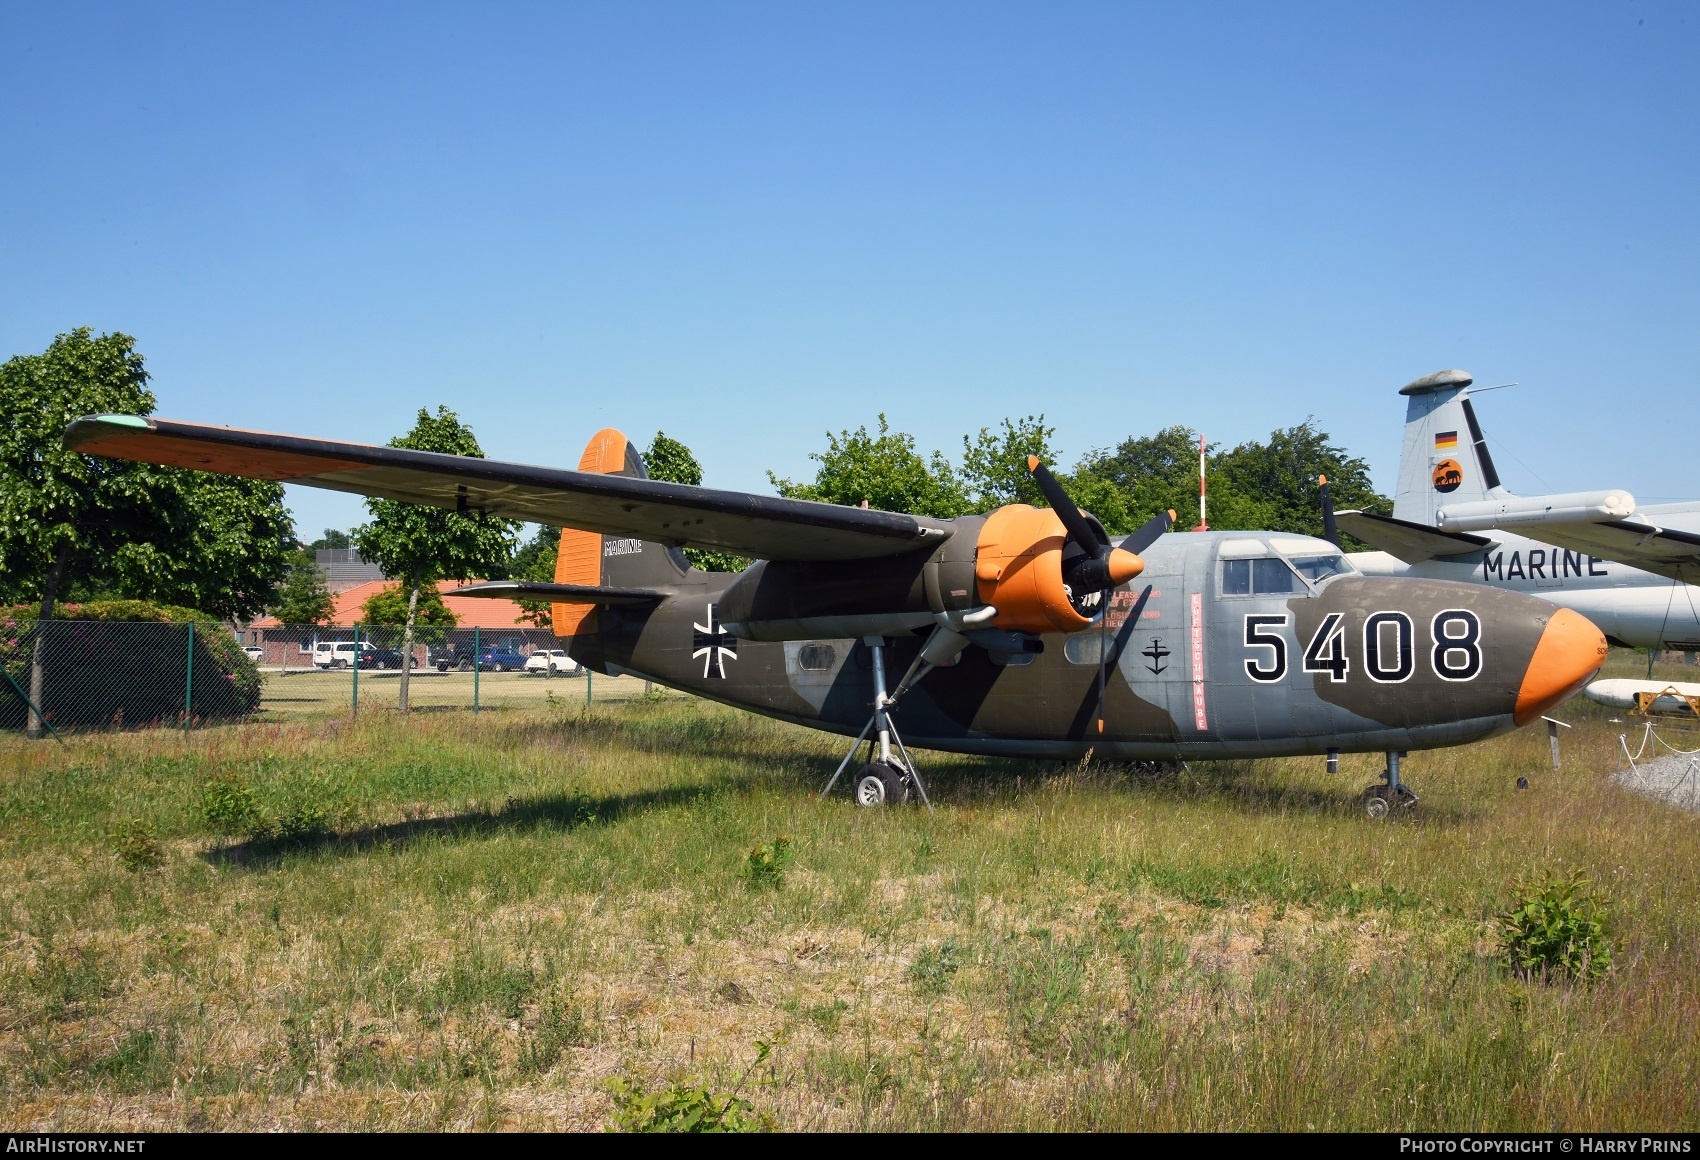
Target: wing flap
765	527
1412	543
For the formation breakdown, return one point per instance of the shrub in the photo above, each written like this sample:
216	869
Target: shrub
1557	928
116	662
136	845
765	867
305	821
682	1107
932	969
230	808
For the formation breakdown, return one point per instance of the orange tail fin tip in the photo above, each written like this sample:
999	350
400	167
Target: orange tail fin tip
578	559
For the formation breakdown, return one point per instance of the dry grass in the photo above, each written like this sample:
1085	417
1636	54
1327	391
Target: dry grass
513	908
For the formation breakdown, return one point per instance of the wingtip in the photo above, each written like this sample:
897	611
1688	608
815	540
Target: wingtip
92	428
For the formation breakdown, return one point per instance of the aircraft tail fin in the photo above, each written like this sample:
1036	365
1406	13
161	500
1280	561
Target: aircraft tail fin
592	559
1445	459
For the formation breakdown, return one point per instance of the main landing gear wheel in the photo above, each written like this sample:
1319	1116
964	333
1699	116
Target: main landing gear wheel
1380	800
878	785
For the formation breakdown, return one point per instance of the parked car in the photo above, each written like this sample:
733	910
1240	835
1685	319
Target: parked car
333	654
339	654
449	657
499	660
491	659
382	658
254	651
549	662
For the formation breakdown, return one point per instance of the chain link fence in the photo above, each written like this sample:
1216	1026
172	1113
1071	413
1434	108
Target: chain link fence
64	675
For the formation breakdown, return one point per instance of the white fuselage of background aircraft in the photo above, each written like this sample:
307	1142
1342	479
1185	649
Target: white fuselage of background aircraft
1630	606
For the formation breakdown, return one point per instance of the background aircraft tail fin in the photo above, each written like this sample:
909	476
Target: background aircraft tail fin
590	558
1445	459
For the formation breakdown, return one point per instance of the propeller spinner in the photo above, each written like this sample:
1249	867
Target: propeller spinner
1098	565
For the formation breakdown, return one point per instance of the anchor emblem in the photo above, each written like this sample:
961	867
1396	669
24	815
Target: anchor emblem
1156	652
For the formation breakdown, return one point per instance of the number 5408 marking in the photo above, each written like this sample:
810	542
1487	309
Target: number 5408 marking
1388	656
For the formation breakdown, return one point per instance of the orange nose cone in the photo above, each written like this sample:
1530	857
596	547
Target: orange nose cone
1124	566
1570	651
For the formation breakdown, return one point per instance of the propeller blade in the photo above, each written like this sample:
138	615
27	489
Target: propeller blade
1078	529
1149	532
1330	532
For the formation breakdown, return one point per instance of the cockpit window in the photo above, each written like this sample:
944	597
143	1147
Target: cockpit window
1319	568
1267	576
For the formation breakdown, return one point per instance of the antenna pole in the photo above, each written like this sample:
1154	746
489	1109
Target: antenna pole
1203	524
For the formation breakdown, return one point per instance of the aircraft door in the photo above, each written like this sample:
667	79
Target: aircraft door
1252	644
1153	657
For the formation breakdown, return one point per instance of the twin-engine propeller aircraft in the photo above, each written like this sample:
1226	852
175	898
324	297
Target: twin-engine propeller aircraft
1023	631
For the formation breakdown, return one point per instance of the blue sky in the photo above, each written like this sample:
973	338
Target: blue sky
748	223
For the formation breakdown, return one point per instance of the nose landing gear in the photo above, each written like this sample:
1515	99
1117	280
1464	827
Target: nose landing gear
1392	794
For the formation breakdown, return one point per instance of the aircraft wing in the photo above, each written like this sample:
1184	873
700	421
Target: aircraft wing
766	527
1663	551
1412	543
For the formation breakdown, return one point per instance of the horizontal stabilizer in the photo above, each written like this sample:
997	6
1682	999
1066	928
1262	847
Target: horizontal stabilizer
1412	543
559	593
766	527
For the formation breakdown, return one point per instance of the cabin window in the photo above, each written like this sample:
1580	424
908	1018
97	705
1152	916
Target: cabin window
816	658
1084	648
1317	568
1268	576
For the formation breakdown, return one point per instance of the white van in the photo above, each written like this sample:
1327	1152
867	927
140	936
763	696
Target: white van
333	654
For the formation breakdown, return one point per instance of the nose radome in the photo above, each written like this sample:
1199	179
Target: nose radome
1570	651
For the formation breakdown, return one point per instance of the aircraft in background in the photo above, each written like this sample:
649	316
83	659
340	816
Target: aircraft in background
1630	570
1647	697
1022	631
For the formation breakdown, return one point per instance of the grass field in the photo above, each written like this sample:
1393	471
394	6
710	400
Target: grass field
478	922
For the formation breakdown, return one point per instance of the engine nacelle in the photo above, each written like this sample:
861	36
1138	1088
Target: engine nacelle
1019	563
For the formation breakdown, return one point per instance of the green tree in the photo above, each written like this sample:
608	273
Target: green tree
418	545
884	471
1273	485
535	560
670	460
304	598
1152	473
994	466
225	546
331	539
390	606
81	525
